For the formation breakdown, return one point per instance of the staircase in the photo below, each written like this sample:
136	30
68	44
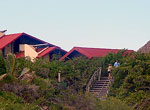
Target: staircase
99	85
101	88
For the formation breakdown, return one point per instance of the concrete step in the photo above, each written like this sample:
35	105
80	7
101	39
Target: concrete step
104	78
100	85
100	88
94	90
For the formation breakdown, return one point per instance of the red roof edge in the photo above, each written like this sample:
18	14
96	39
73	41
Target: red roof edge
77	49
39	39
82	51
19	34
48	50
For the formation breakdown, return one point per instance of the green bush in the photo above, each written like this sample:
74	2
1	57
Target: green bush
132	81
131	84
114	104
9	101
2	64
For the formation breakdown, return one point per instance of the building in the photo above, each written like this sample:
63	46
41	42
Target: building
25	45
89	52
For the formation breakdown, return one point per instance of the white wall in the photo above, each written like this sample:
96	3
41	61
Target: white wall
29	51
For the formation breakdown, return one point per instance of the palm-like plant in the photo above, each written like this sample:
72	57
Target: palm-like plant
10	65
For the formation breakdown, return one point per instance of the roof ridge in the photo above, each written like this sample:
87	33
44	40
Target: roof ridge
97	48
9	35
84	52
14	33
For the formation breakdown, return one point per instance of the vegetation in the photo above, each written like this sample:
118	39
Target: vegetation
9	101
132	81
34	85
2	64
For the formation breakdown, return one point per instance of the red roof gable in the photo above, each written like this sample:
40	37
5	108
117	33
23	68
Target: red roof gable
7	39
39	49
46	51
92	52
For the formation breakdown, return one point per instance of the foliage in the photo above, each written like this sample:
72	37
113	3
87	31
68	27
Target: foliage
2	64
131	84
114	104
9	101
132	81
10	66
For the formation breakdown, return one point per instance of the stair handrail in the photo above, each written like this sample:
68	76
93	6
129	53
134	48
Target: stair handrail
95	76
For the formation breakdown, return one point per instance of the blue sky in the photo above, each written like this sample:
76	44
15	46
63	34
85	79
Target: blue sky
86	23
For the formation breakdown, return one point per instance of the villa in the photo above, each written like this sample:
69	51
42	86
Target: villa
89	52
25	45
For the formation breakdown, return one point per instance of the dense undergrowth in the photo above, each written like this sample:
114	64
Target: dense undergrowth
39	88
132	81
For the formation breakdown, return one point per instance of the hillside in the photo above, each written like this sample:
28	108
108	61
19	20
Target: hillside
145	48
132	81
34	86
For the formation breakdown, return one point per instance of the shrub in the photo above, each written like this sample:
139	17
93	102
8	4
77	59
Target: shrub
2	64
114	104
9	101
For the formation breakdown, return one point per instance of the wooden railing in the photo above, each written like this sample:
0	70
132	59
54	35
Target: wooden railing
95	76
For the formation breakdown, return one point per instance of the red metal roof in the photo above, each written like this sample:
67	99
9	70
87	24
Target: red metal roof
7	39
48	50
39	49
92	52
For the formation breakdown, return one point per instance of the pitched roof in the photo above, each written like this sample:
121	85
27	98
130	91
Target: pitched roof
91	52
39	49
48	50
7	39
